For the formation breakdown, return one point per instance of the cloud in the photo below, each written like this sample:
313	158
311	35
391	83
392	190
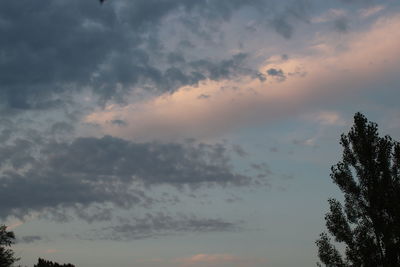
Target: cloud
118	122
14	225
18	154
63	48
326	118
329	15
78	45
45	61
209	260
341	24
29	239
283	27
311	142
161	224
239	150
51	251
338	16
324	76
88	173
222	70
278	73
212	260
283	21
370	11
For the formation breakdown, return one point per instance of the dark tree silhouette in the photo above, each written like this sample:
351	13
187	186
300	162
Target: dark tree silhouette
46	263
368	225
7	238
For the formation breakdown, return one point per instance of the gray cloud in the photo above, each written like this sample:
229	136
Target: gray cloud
263	169
119	122
239	150
260	76
18	154
61	127
57	46
29	239
224	69
341	24
161	224
275	72
296	11
278	73
203	96
282	26
91	171
54	48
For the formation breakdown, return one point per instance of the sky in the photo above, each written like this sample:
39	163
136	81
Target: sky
184	133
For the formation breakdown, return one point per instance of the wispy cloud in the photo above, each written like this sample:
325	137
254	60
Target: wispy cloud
211	260
325	118
329	15
161	224
370	11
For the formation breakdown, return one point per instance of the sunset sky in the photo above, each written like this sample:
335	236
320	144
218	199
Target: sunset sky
184	133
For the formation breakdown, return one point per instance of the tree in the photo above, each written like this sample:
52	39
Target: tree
368	225
46	263
7	238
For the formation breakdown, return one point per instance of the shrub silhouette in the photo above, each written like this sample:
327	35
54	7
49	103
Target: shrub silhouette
46	263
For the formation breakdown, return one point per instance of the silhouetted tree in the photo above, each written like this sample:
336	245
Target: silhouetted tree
46	263
368	225
7	238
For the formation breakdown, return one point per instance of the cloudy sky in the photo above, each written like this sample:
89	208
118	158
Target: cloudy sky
188	133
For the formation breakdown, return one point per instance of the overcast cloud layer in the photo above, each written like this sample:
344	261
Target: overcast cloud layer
141	120
55	51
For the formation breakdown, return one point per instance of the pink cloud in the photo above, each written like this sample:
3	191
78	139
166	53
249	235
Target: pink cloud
208	260
51	251
325	75
211	260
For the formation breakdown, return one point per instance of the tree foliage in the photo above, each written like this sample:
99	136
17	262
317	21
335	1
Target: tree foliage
7	238
46	263
368	224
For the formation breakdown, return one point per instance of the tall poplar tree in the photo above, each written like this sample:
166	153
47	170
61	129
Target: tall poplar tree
368	224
